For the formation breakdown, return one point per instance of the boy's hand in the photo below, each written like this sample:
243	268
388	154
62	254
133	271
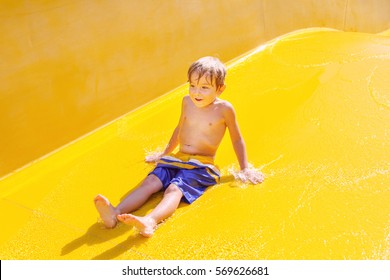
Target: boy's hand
153	157
252	175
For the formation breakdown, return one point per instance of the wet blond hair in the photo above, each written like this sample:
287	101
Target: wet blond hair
210	66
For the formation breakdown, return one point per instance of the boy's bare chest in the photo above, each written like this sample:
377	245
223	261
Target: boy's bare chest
208	120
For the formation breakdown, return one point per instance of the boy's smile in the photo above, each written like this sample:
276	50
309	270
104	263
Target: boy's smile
203	91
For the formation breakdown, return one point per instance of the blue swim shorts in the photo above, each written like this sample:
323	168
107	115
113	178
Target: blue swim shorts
190	173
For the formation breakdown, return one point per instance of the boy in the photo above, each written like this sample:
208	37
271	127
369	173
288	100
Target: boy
186	174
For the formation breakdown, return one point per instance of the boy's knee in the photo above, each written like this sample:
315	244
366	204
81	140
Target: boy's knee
173	189
153	179
152	184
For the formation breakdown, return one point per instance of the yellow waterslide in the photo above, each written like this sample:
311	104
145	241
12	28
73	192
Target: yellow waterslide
314	108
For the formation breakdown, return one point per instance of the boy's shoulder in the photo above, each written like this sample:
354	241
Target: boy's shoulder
186	98
224	105
225	108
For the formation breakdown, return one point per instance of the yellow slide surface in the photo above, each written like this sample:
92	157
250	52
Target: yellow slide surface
314	108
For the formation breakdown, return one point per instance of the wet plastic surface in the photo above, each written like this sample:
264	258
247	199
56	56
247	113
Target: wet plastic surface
314	108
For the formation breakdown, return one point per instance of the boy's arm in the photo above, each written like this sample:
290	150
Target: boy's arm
236	137
173	142
247	173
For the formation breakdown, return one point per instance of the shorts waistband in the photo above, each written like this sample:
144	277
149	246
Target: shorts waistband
188	161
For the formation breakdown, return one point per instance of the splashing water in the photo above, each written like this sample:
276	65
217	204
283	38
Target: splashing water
250	175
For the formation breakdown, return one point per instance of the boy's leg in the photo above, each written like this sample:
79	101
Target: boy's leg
164	209
133	201
140	195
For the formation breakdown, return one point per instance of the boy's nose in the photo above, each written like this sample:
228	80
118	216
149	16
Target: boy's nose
197	91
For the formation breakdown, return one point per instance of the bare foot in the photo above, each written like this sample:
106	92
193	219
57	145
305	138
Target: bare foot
145	225
106	210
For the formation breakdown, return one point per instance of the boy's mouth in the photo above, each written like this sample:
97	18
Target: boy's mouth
198	99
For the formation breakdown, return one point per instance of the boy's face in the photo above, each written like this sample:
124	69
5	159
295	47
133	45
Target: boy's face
203	91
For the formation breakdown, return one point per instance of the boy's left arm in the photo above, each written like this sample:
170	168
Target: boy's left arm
246	173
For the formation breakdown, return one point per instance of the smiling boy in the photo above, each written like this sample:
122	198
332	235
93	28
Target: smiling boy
186	174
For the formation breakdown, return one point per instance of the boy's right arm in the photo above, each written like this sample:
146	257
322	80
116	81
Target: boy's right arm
173	142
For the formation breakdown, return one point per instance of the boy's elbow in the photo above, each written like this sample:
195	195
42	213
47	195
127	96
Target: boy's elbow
238	142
